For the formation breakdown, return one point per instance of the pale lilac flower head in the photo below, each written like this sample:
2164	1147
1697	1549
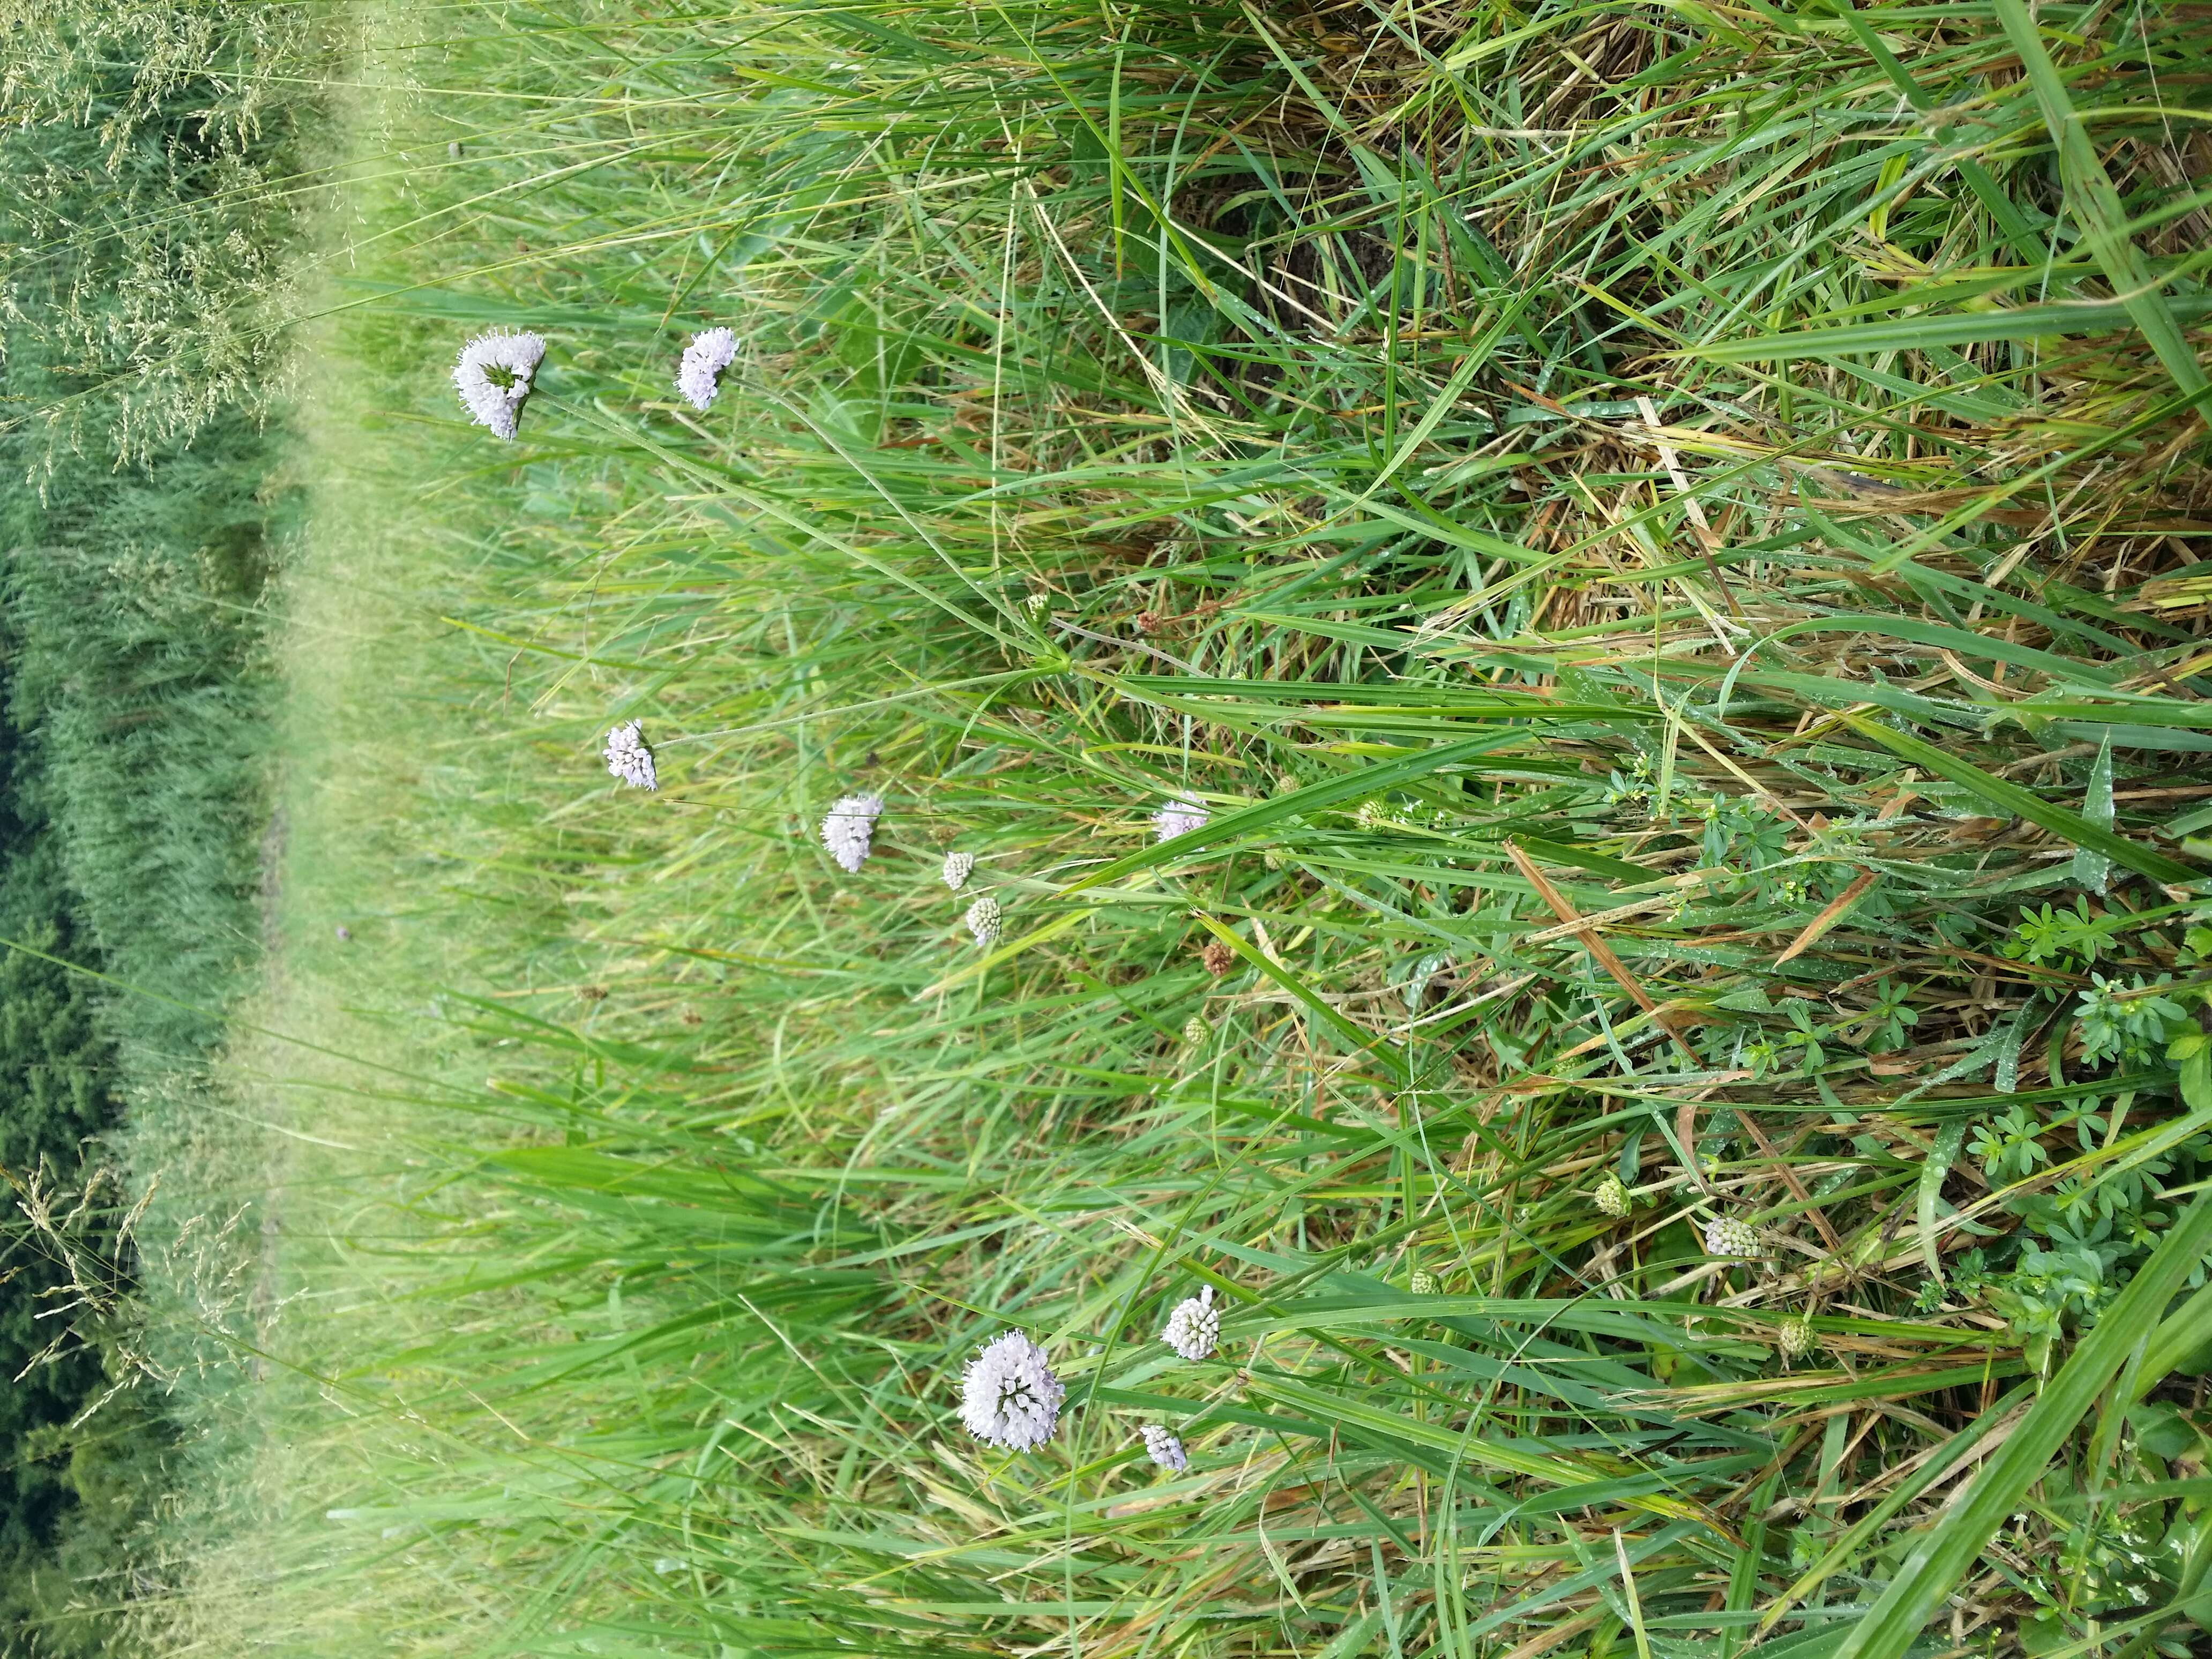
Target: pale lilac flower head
1195	1328
628	759
1726	1235
1009	1397
493	376
984	920
958	866
848	828
1164	1449
1179	817
699	376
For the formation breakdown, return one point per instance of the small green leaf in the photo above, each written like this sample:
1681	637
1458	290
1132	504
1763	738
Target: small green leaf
1950	1545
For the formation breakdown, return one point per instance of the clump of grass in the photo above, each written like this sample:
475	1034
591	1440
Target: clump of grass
1662	543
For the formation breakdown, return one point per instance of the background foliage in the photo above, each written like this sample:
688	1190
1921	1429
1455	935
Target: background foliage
148	235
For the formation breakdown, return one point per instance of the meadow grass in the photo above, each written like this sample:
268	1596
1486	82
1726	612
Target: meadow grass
1657	533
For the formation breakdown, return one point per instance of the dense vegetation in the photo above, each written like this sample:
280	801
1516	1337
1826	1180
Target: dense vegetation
1661	539
140	502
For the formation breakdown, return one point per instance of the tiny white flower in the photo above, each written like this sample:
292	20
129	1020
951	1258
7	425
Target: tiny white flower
1194	1326
1164	1449
1611	1197
983	921
958	866
848	828
699	376
1195	1031
628	759
1179	817
1796	1338
1726	1235
493	375
1009	1397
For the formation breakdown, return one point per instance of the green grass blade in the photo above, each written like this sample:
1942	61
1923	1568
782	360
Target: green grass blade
1950	1547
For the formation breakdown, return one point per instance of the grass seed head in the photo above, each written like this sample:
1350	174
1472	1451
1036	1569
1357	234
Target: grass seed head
493	375
1194	1329
1009	1397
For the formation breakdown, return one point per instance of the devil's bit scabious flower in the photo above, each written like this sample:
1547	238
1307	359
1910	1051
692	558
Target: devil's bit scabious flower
958	866
699	376
1195	1031
983	921
1179	817
1194	1326
1795	1338
1009	1397
1164	1449
848	827
493	376
1726	1235
1422	1283
1611	1197
628	759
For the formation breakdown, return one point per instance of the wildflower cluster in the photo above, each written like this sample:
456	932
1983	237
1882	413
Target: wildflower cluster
1009	1397
495	370
1164	1449
850	827
1726	1235
1180	817
493	375
628	759
1194	1329
698	377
